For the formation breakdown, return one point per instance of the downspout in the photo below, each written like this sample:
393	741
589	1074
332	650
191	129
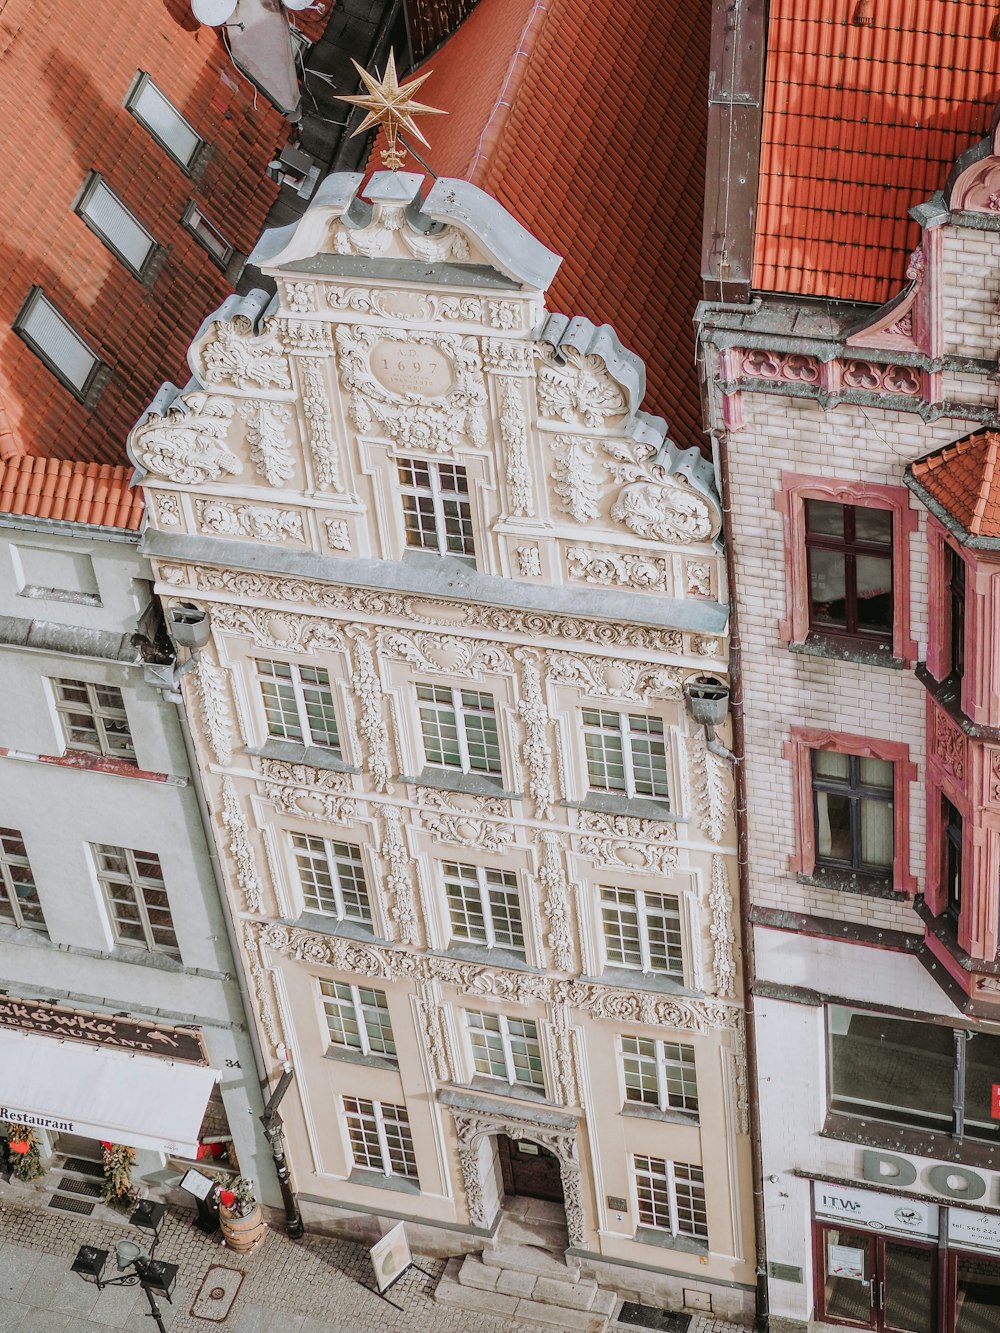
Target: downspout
720	448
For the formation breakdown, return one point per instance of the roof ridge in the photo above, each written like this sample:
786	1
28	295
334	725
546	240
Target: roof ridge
985	482
492	131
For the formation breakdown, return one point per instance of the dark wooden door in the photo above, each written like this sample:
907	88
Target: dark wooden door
529	1169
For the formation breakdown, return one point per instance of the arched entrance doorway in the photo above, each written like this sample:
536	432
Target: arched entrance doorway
529	1170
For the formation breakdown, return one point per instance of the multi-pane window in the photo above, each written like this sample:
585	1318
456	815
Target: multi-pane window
18	895
94	718
484	906
642	930
157	113
119	229
951	846
380	1137
298	703
207	235
853	812
849	556
332	875
671	1196
137	897
53	338
459	729
437	515
505	1048
625	753
358	1017
659	1073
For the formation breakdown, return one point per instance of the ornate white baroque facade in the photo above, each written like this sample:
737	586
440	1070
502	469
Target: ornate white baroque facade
482	859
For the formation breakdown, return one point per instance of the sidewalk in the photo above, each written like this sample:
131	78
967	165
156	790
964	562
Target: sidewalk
307	1286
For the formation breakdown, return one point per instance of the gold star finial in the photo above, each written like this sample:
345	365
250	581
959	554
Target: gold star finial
391	107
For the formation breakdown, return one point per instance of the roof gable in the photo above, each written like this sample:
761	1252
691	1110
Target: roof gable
965	481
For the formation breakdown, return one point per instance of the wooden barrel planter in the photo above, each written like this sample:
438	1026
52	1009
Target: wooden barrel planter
242	1234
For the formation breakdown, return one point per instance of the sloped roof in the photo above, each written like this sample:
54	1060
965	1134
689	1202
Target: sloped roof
73	492
586	120
965	480
860	124
67	70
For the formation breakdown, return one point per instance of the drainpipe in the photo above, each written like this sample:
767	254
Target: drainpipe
721	452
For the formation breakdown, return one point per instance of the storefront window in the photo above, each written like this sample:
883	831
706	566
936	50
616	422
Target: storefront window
847	1276
982	1074
977	1295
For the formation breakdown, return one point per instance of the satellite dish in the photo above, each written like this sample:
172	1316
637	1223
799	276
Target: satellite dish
213	12
299	4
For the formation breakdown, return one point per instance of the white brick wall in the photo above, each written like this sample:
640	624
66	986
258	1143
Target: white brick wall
971	287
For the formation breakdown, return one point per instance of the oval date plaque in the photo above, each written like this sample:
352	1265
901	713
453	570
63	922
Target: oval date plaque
417	368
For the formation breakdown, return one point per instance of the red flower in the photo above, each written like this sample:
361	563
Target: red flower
227	1198
106	1145
19	1145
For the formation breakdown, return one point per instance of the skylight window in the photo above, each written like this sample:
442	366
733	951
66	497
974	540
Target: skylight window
157	113
123	234
51	337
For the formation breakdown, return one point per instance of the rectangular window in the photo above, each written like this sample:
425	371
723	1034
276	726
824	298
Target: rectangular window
659	1073
671	1196
154	110
332	875
484	906
137	898
625	753
849	556
951	847
207	235
357	1017
298	703
505	1048
437	515
853	810
18	896
52	337
380	1137
956	612
642	931
122	232
93	718
459	729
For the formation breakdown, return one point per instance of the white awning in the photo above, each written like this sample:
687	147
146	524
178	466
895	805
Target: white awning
139	1100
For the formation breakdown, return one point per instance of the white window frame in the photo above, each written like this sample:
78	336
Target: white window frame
626	736
359	1008
140	83
378	1118
93	185
642	917
298	689
194	215
503	1032
136	882
667	1177
661	1064
460	712
437	493
82	390
99	713
484	887
335	885
9	892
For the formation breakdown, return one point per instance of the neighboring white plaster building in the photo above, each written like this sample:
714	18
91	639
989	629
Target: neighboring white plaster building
482	859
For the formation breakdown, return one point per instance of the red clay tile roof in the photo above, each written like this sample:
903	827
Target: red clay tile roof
586	119
74	492
66	74
965	480
860	124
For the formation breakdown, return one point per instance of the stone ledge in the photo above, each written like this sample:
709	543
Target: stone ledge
557	1316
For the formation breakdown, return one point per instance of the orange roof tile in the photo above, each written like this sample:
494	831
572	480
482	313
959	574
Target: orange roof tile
66	81
965	480
860	124
71	492
586	120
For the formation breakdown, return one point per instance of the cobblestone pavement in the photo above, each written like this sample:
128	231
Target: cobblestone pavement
307	1286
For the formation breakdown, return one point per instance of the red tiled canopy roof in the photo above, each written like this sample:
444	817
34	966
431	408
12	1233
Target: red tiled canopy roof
964	478
586	120
860	124
73	492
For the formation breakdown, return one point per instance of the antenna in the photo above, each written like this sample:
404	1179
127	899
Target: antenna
213	13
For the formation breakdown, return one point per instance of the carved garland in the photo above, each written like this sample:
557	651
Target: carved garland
232	355
368	690
710	783
723	939
269	447
319	424
241	848
555	903
398	878
537	751
514	434
212	691
187	445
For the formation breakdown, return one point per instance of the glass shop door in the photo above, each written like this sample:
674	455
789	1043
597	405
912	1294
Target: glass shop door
871	1281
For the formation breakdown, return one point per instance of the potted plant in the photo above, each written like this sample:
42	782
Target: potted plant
118	1159
240	1215
24	1156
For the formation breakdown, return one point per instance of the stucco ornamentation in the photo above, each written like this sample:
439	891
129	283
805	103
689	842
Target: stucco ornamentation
882	379
389	232
407	306
368	690
626	842
512	358
467	830
300	297
434	1031
399	876
188	446
720	904
514	435
950	745
262	986
269	447
577	388
654	503
562	1047
241	848
436	653
619	569
709	775
573	478
529	562
535	719
742	1079
305	336
613	678
322	799
274	629
212	688
223	519
168	509
555	902
233	356
319	424
338	533
770	365
699	578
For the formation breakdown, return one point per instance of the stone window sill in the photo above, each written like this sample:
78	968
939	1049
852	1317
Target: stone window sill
522	1092
313	756
349	1056
453	779
837	649
652	981
608	803
843	881
376	1180
476	953
674	1117
654	1236
329	925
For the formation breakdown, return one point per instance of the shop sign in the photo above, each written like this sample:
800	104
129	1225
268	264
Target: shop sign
56	1126
973	1231
123	1034
891	1213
